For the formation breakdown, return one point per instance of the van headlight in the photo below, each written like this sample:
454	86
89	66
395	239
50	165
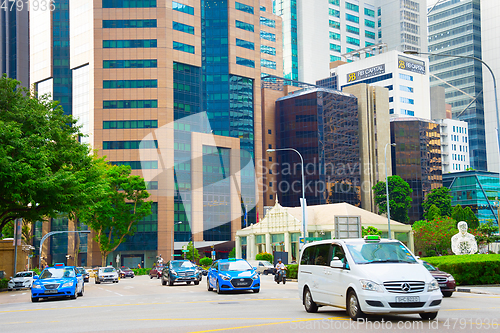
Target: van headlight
433	285
370	285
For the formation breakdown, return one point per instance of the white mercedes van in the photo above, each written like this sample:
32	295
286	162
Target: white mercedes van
366	276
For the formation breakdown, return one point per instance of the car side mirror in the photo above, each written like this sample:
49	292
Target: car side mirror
78	275
35	277
254	268
336	263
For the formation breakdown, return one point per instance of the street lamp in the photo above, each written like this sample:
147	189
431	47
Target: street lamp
53	233
387	190
494	87
172	240
303	188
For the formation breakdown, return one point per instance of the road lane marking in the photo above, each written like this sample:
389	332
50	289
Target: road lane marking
189	319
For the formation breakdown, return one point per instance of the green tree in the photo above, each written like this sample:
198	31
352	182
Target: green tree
470	218
43	167
206	261
399	198
232	253
434	237
119	204
486	233
264	256
441	198
370	231
192	253
458	213
433	213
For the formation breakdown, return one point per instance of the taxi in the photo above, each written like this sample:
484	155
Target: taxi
232	274
57	281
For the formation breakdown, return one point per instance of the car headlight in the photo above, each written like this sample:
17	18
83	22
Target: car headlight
433	285
451	278
370	285
27	282
68	284
225	277
173	272
255	276
36	286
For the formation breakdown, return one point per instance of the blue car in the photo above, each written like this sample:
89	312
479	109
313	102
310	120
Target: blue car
57	281
232	274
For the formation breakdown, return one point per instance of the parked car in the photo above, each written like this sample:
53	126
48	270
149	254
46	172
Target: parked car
155	272
203	271
85	274
180	271
262	266
232	274
366	276
106	274
125	272
21	280
446	281
57	281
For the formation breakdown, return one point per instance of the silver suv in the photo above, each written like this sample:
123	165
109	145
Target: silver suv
106	274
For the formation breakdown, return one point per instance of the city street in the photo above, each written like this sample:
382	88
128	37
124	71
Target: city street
144	305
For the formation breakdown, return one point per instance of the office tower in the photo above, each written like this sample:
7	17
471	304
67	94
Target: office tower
455	28
490	29
14	42
454	145
417	158
172	89
318	32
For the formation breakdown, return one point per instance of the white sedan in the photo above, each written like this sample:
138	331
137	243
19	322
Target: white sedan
21	280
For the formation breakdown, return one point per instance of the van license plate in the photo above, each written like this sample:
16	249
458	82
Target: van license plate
407	299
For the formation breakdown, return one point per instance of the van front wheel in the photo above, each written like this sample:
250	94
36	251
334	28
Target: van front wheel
309	304
353	308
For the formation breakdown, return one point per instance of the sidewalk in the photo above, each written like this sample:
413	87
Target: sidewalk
493	289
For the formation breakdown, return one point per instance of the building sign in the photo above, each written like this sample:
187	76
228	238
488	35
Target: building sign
366	73
411	65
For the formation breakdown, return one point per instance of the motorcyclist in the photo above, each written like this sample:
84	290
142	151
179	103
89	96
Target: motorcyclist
279	266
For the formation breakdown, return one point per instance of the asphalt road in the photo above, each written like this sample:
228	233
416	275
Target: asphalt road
144	305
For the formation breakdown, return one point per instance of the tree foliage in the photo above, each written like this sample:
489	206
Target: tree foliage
434	237
470	218
433	213
458	213
119	203
485	233
43	167
399	198
192	253
370	231
232	253
441	198
264	256
206	261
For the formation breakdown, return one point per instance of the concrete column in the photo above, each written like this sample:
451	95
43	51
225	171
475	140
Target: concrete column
237	245
251	250
288	246
269	249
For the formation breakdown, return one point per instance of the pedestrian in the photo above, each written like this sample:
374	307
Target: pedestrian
139	266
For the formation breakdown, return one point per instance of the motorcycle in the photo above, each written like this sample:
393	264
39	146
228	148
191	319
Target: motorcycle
280	276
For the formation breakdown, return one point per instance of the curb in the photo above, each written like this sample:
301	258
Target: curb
474	291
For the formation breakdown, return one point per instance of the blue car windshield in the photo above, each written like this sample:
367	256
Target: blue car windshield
181	264
57	273
238	266
367	253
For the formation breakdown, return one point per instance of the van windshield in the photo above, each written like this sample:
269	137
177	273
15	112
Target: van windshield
367	253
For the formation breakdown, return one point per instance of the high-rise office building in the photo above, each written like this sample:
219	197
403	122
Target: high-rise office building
318	32
14	42
455	28
172	89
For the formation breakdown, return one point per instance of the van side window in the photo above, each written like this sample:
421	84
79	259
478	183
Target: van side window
338	251
316	255
308	256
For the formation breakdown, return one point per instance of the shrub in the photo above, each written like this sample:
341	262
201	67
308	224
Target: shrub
292	270
232	254
264	256
141	271
470	269
206	261
3	283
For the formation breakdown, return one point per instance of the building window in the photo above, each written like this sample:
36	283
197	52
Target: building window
380	34
180	7
262	8
369	34
333	12
130	104
391	99
119	84
353	41
129	124
183	27
334	2
244	26
139	144
334	58
406	100
334	24
267	50
407	112
353	7
268	63
368	44
245	62
183	47
137	165
270	159
352	29
270	147
405	77
334	35
147	63
244	8
406	89
267	36
369	12
119	24
128	3
352	18
131	43
245	44
391	111
334	47
269	131
268	22
369	24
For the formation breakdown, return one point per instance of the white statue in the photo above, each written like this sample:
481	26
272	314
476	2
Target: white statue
463	242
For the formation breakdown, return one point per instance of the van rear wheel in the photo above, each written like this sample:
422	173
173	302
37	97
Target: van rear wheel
353	308
309	304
